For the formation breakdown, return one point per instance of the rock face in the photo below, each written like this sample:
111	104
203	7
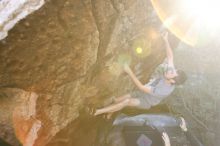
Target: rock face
70	53
11	11
18	113
7	104
199	100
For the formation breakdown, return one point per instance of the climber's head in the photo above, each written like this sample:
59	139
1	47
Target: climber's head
176	77
180	78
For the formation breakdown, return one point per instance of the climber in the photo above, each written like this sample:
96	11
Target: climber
152	93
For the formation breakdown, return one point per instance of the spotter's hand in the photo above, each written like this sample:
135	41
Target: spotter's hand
166	139
183	124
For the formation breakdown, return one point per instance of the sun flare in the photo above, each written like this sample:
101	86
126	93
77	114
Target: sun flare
190	20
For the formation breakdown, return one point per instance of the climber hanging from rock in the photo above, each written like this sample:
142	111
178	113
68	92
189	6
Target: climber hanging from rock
159	87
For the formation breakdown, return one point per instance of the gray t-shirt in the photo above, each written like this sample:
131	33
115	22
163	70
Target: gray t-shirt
158	85
160	89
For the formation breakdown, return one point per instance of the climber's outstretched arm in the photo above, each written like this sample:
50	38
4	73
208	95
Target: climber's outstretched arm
135	80
169	51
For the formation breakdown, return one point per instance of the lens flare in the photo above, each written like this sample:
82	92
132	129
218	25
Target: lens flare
142	47
206	12
193	21
139	50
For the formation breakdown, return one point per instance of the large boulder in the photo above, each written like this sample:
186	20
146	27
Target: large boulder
18	122
12	11
198	100
71	52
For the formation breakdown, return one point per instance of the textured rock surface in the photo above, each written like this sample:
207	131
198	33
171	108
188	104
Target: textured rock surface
6	111
199	100
70	53
18	113
11	11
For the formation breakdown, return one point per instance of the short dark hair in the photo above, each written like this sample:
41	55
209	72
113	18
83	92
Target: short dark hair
181	78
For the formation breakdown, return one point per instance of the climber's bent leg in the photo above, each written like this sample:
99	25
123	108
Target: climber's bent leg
118	106
121	98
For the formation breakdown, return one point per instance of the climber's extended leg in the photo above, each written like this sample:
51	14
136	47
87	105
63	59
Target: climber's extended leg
118	106
121	98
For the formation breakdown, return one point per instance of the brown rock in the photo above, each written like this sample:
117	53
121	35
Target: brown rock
71	56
